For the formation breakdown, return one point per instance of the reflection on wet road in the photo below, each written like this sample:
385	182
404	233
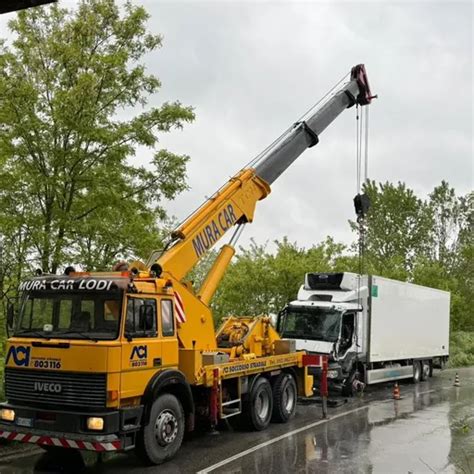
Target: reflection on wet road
431	429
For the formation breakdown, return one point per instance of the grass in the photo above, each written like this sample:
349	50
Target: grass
461	349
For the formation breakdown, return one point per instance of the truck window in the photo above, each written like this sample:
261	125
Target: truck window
167	318
70	315
313	323
65	310
347	332
141	317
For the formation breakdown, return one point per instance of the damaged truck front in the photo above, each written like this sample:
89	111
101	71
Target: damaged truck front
374	329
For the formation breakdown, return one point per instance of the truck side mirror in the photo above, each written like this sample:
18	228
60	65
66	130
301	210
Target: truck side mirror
279	318
10	316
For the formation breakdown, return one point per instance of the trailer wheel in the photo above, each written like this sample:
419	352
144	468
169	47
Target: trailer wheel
416	371
284	398
258	408
425	370
430	363
161	438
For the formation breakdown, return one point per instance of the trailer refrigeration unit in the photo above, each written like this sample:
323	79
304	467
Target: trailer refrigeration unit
374	329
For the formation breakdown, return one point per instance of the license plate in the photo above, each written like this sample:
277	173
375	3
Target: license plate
24	422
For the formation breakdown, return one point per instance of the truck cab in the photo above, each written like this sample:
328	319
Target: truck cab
328	318
82	354
372	328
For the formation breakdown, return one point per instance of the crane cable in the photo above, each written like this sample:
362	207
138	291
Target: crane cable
362	204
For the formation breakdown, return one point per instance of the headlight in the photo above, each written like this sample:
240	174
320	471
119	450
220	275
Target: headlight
332	374
94	423
7	414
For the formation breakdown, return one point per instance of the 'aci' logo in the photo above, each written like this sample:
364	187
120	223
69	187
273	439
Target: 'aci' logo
20	354
139	351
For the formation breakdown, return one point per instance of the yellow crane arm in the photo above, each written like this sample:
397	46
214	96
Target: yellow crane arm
233	203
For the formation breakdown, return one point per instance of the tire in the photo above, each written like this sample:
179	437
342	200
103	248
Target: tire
425	370
430	362
161	438
348	387
258	409
416	371
284	398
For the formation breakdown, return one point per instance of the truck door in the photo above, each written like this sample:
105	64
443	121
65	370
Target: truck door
142	347
169	340
346	340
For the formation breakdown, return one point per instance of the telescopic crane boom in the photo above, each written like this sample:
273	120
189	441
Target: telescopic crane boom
235	202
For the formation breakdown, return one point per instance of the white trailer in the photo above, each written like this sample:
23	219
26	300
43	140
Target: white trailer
374	329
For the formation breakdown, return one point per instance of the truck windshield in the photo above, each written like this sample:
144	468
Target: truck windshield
320	324
94	315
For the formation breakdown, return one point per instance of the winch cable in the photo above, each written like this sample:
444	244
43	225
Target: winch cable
361	201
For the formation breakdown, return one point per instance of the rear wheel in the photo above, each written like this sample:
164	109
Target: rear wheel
258	408
425	370
284	398
416	371
431	368
161	438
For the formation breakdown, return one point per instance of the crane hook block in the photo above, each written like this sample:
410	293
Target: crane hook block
362	205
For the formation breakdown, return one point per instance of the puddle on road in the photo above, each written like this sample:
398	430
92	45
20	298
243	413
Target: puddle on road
423	432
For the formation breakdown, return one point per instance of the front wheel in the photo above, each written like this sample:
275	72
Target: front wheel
161	438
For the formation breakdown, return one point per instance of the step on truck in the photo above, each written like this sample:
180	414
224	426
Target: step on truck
131	359
373	329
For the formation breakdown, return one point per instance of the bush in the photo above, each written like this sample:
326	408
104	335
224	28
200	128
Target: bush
461	349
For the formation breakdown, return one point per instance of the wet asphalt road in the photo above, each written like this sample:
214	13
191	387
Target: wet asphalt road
431	429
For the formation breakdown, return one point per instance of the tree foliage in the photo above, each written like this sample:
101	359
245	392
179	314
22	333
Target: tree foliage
73	108
397	225
262	282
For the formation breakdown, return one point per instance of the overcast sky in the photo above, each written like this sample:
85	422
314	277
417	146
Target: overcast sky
250	69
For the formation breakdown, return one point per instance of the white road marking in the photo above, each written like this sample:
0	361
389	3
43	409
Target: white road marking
278	438
423	393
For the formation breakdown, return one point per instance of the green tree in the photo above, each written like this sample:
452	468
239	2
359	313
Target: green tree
446	210
70	86
262	282
398	229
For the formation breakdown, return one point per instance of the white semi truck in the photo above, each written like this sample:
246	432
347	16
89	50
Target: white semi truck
374	329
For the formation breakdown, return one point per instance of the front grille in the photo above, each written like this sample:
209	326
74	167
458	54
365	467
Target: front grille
78	390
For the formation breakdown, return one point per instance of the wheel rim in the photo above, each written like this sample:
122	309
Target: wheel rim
288	398
426	370
417	370
262	405
166	428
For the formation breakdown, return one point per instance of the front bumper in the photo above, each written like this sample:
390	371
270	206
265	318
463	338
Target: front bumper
68	429
61	440
335	377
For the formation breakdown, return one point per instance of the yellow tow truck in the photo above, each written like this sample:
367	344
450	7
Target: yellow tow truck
130	359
